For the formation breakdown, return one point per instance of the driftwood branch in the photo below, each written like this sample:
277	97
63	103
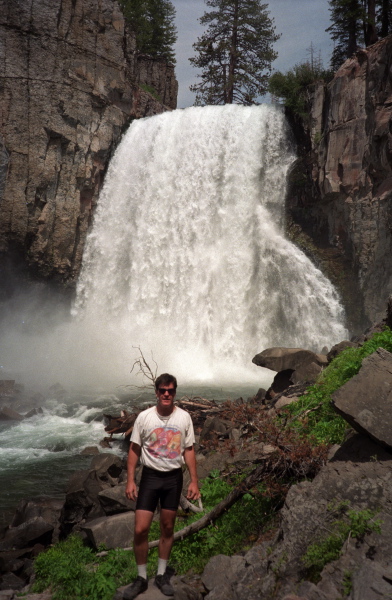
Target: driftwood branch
186	505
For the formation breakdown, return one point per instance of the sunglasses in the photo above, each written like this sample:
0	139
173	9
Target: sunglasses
171	391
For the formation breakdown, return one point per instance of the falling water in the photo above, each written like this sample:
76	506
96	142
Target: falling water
187	256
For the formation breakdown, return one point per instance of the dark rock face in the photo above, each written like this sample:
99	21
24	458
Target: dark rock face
71	80
365	401
347	204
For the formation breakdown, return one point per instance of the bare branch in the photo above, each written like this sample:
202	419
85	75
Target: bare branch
144	369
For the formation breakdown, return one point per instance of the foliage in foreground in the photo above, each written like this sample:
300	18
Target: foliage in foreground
73	571
314	415
351	524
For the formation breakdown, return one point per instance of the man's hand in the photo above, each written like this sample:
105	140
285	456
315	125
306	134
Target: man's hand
193	491
131	490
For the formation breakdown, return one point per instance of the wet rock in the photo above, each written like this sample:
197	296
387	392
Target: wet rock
33	413
9	414
49	509
90	450
35	530
81	499
365	401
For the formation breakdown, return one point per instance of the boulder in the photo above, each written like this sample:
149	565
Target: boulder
81	499
35	530
282	359
338	348
115	531
12	581
293	366
108	467
114	500
219	575
365	401
90	451
9	414
49	509
186	589
33	412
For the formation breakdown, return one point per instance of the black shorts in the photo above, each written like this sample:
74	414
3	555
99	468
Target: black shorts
165	486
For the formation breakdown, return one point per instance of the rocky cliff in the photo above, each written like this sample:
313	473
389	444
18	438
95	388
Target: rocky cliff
71	80
345	201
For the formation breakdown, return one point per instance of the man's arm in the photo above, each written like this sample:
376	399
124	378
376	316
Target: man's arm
190	461
133	457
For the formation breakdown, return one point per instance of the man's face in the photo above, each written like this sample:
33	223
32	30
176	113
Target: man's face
165	395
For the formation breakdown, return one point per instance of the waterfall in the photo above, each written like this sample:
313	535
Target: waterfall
187	257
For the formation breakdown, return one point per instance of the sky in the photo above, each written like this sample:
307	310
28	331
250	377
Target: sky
300	23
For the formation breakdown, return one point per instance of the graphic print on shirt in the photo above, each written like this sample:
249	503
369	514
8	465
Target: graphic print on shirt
164	442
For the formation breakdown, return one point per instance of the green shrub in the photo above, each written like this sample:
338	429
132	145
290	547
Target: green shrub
73	571
322	423
293	86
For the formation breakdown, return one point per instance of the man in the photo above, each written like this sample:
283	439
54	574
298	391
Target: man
163	439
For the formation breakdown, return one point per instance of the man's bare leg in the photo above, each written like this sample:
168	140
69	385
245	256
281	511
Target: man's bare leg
143	520
167	521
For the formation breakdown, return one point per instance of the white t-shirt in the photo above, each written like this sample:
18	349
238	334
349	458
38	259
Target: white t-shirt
163	439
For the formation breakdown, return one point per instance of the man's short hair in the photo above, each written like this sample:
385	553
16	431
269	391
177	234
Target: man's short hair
165	379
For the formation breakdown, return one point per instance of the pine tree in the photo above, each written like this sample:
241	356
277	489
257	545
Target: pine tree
357	23
153	23
234	53
346	30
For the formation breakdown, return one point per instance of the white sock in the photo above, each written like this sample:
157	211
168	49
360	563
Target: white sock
162	564
142	571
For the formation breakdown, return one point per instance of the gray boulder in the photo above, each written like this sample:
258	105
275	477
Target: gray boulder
49	509
282	359
365	401
9	414
115	531
35	530
338	348
114	500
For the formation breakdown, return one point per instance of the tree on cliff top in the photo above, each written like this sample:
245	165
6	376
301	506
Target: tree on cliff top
153	23
357	23
235	52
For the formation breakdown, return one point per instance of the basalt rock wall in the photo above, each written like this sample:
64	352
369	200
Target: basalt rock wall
71	80
345	201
